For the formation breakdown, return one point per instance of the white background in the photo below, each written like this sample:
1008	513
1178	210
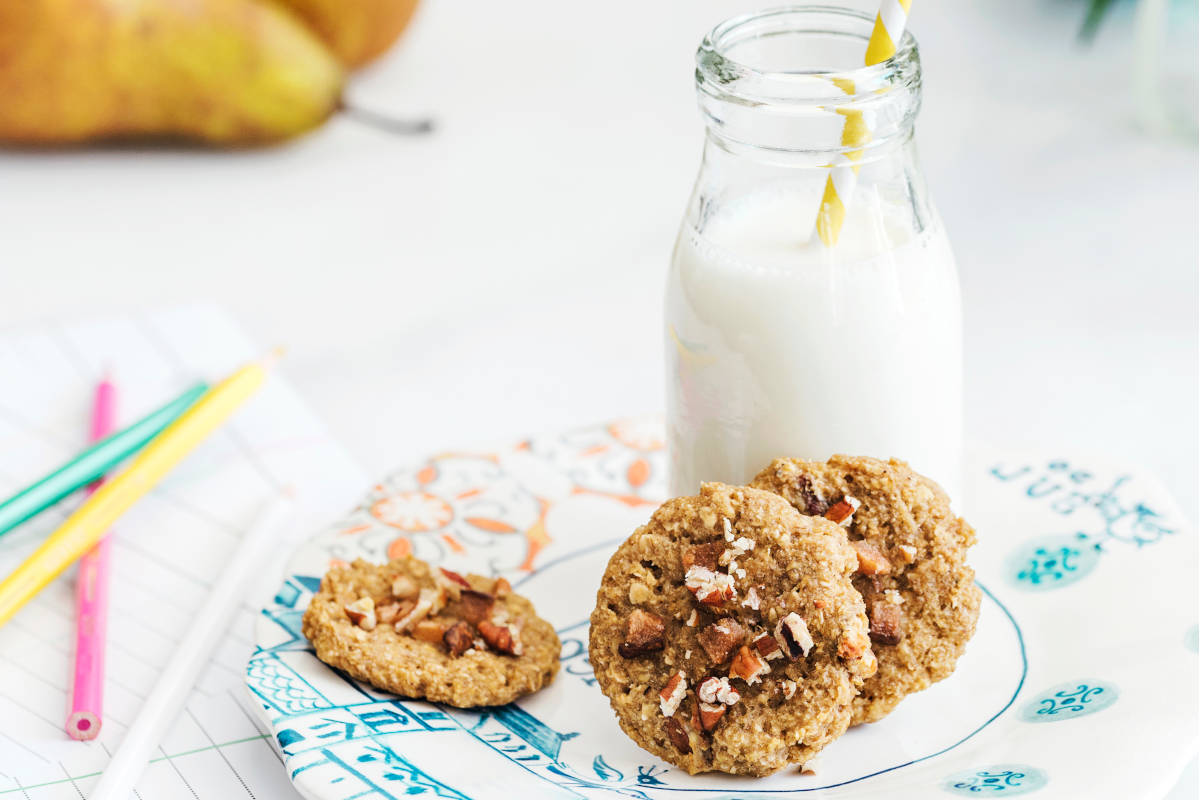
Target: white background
504	275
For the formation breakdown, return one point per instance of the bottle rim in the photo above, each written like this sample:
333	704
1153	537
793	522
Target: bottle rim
715	65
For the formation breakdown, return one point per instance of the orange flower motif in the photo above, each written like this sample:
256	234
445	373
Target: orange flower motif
413	511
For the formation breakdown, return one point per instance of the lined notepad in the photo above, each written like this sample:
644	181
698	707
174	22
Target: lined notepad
167	551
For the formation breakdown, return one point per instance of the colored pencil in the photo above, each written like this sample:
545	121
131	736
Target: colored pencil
93	462
91	602
170	692
84	528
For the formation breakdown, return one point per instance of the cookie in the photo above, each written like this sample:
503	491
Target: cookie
431	633
728	635
920	593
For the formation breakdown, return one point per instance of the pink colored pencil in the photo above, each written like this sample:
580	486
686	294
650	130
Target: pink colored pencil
91	602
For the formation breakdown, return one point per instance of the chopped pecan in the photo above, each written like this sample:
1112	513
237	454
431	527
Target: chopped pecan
500	638
711	588
887	622
842	511
767	647
643	634
908	553
459	638
721	638
710	715
428	630
677	735
717	690
789	689
387	612
404	587
413	611
793	636
814	504
451	581
476	606
871	560
853	645
362	613
752	600
703	555
501	587
672	694
749	666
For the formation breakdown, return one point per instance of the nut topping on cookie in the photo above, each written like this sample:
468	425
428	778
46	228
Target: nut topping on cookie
908	553
752	600
793	636
476	606
451	581
692	619
422	608
710	715
853	645
501	638
501	587
677	735
711	588
717	690
748	666
458	638
789	689
721	638
703	555
887	622
428	630
841	511
387	612
362	613
672	694
767	647
404	587
871	560
643	634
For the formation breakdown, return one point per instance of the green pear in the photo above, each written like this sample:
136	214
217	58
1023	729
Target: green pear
220	72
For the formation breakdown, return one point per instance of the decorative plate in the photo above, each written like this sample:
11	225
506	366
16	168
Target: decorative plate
1080	682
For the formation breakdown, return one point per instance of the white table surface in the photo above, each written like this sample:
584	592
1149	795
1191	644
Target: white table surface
504	275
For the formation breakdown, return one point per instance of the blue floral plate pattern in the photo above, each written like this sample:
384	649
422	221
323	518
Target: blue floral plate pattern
1081	680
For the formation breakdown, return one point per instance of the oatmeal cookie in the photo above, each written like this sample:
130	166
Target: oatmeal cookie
920	593
431	633
728	635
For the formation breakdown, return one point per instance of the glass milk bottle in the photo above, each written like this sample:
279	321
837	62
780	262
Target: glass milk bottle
777	343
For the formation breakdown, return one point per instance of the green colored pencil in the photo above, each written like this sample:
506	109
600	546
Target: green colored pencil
92	462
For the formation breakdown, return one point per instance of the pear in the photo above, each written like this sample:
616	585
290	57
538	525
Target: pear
357	30
214	71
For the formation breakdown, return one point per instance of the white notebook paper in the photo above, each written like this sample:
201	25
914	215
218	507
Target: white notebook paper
167	551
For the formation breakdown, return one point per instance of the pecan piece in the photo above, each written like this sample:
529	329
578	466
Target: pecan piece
501	587
721	638
476	606
717	690
404	587
793	636
853	646
459	638
710	715
749	666
767	647
500	638
362	613
672	694
887	622
842	511
871	560
703	555
643	634
677	735
413	611
387	612
710	588
451	581
430	631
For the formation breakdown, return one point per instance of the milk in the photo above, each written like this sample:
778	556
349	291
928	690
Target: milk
779	346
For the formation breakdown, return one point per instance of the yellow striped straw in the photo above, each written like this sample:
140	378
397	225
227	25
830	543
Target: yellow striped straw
839	184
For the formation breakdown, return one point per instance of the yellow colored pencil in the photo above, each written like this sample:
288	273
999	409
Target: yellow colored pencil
90	521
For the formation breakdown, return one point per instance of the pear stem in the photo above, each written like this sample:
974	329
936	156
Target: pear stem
386	122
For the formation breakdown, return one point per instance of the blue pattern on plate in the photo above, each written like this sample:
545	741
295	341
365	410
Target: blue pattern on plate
1052	562
1069	700
1009	780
